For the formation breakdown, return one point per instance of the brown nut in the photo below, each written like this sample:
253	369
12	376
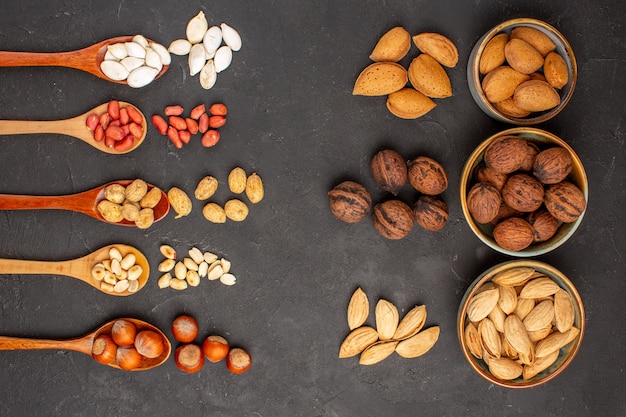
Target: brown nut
531	153
483	202
552	165
427	176
350	201
544	225
152	198
513	234
565	201
389	170
504	213
136	190
506	154
491	176
523	192
430	213
393	219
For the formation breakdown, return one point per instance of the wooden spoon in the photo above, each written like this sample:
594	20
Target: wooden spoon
79	268
85	202
87	59
84	344
75	126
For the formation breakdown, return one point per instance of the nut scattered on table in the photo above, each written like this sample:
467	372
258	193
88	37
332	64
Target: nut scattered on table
188	272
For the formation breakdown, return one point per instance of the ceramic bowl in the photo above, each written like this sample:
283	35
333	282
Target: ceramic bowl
543	140
474	77
566	353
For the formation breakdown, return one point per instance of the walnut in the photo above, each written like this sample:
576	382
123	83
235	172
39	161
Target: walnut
565	201
531	153
506	154
552	165
427	176
504	213
430	213
490	175
393	219
389	170
523	192
350	201
544	225
513	234
483	202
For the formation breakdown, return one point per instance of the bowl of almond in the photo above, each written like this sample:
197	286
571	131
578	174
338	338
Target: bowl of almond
522	71
520	323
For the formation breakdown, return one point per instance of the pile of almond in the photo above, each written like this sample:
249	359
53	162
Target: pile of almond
518	323
426	73
405	337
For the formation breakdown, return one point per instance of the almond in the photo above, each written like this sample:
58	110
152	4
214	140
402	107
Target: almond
539	40
515	334
429	77
386	319
489	337
509	108
524	306
497	316
438	47
555	70
481	304
392	46
555	342
409	103
507	299
522	57
540	334
411	324
539	288
472	340
513	276
493	55
358	309
504	368
379	79
563	311
539	365
377	352
358	340
540	316
419	344
500	83
535	95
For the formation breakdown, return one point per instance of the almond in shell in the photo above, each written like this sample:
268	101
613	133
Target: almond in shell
507	299
472	340
428	77
505	368
555	70
539	365
522	57
377	352
408	103
386	319
490	337
540	316
493	55
500	83
380	79
524	306
358	309
539	40
535	95
540	334
563	311
392	46
481	304
515	334
411	323
509	108
357	341
419	344
439	47
555	342
514	276
539	288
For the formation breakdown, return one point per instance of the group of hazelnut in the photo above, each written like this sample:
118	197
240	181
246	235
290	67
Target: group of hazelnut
393	218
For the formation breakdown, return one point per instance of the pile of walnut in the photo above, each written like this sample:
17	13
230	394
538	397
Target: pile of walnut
426	73
523	192
133	203
393	218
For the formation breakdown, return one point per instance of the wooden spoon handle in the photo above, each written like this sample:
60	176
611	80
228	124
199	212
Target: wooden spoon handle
20	127
83	202
73	59
19	343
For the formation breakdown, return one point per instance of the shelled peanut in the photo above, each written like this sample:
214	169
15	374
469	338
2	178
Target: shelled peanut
118	273
119	127
180	128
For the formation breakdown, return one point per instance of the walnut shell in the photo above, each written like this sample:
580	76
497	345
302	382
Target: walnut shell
552	165
544	225
490	175
523	192
483	202
513	234
505	212
393	219
430	213
350	201
389	170
565	201
531	153
506	154
427	176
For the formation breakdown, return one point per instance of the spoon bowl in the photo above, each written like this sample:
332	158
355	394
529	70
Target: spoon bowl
79	268
87	59
85	202
84	344
75	126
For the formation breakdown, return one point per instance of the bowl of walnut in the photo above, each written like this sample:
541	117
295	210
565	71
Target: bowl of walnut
522	71
524	192
520	323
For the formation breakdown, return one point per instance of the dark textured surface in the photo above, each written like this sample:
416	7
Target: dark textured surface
293	120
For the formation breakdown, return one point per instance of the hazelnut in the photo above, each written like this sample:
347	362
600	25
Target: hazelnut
523	192
544	225
490	175
531	153
552	165
565	201
483	202
389	170
350	201
393	219
430	213
427	176
513	234
506	154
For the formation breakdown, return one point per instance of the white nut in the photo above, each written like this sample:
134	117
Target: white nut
114	253
209	257
196	28
98	272
225	265
166	58
133	287
142	76
114	70
215	272
118	51
180	270
178	284
128	261
212	40
153	59
116	268
141	40
203	268
231	37
197	59
168	251
107	264
107	287
180	47
223	58
192	278
108	56
208	75
196	255
167	265
122	275
190	264
134	49
121	286
228	279
164	281
135	272
131	63
109	278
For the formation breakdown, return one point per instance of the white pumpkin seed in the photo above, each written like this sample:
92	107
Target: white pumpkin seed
223	58
208	75
180	47
212	40
134	49
141	40
231	37
153	59
132	62
142	76
118	50
228	279
166	58
108	56
196	28
197	59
